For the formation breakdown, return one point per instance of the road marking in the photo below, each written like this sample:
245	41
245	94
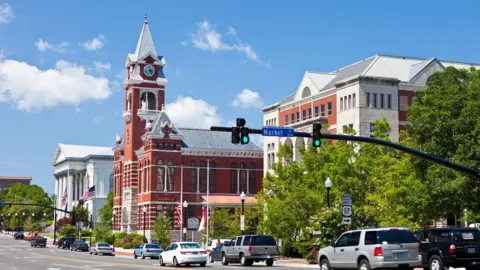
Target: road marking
34	261
16	258
74	266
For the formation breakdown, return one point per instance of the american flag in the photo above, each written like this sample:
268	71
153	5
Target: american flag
64	198
178	215
90	193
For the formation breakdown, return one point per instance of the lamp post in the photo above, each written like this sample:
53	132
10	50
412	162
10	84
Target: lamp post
144	209
114	216
328	185
185	205
242	217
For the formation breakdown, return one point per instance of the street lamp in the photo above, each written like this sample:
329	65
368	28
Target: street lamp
113	231
144	222
242	217
185	205
328	185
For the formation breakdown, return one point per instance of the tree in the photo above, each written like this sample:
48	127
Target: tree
219	224
103	233
252	218
161	230
64	221
106	211
81	215
67	230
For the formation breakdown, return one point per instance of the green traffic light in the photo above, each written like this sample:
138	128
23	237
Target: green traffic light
317	143
245	139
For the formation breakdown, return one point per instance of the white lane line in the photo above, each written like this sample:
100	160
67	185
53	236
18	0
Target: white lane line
16	258
34	261
74	266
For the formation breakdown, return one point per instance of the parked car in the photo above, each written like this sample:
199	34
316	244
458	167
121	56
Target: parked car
147	250
247	249
79	245
65	242
372	249
18	235
186	253
38	241
449	247
215	254
216	242
101	248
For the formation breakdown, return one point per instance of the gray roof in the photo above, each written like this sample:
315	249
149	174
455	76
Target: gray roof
349	71
145	42
207	139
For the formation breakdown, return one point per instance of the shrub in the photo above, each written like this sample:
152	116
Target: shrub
67	230
127	245
312	256
136	243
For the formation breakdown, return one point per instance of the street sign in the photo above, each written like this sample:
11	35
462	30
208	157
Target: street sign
278	131
347	208
43	224
79	225
2	204
242	223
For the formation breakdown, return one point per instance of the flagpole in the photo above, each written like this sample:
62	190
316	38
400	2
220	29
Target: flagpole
181	201
208	193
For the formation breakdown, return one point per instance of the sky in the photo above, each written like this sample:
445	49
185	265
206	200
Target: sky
62	62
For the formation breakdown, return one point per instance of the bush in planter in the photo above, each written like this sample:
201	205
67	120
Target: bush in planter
127	245
312	256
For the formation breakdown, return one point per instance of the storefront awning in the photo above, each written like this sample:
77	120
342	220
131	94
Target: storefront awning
228	200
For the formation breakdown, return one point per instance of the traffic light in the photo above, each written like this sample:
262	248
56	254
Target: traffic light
317	134
240	134
235	135
245	138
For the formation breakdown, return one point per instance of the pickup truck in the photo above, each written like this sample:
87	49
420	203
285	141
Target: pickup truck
38	241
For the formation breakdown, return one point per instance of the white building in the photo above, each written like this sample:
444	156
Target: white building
357	95
79	167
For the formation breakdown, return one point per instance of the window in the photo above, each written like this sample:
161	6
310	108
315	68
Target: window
306	92
147	183
322	110
243	178
292	116
298	116
233	178
170	176
403	103
382	101
286	119
269	162
203	177
304	115
345	103
369	102
193	177
316	111
213	178
341	104
247	241
252	179
354	239
396	237
354	101
329	106
349	101
239	241
309	113
370	238
342	241
375	100
160	176
372	127
389	101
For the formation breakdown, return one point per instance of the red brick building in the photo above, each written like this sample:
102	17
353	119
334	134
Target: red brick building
7	181
158	165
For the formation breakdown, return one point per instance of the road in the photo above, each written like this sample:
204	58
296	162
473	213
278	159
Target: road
17	254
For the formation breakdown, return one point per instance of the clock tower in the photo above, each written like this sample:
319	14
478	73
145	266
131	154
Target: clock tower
144	99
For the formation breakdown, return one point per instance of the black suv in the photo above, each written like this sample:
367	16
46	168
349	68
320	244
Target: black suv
18	235
65	242
450	247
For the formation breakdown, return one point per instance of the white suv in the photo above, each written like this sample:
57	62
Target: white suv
367	249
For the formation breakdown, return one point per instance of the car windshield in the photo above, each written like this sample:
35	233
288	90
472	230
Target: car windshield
152	246
103	245
189	245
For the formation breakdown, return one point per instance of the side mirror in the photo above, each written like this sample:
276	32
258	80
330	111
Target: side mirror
334	244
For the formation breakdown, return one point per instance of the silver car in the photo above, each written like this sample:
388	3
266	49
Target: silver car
366	249
101	248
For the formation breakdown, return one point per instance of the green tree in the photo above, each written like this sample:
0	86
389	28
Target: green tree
81	215
161	230
106	211
103	233
219	224
252	218
67	230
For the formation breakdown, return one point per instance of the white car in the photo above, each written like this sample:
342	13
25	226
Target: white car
184	253
101	248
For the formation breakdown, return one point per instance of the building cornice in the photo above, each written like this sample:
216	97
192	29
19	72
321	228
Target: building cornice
222	153
104	157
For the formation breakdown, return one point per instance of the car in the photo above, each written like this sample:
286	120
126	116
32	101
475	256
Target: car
372	248
18	235
186	253
147	250
248	249
101	248
38	241
449	247
79	245
215	254
216	242
65	242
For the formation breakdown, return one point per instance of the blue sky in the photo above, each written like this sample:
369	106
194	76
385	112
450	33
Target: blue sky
61	61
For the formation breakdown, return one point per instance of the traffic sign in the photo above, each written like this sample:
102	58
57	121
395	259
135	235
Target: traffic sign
347	199
2	204
43	224
347	220
347	210
242	222
278	131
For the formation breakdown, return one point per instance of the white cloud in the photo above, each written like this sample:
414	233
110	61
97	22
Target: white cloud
31	88
6	13
248	99
45	46
97	120
207	38
183	43
94	44
101	67
193	113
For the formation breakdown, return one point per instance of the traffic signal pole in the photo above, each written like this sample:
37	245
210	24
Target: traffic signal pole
340	137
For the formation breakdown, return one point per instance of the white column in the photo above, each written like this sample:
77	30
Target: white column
69	190
62	181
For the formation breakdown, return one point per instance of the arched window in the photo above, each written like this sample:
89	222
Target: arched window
129	102
203	177
233	179
306	92
170	176
149	99
243	178
252	175
110	188
213	178
193	177
147	169
140	180
269	161
161	176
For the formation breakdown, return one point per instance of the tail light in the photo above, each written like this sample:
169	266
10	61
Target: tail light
78	245
183	253
377	251
249	249
148	250
452	249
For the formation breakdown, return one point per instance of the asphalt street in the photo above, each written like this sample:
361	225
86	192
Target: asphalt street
17	254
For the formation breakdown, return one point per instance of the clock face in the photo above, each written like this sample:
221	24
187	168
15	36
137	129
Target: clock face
149	70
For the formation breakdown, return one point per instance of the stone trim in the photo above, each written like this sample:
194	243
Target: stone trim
222	153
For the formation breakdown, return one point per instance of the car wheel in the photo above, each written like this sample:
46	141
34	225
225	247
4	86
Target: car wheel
143	256
203	264
210	258
364	265
269	262
243	261
134	255
161	261
325	264
224	259
435	263
175	262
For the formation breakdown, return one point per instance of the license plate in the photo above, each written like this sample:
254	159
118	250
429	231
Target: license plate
194	253
400	255
471	250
